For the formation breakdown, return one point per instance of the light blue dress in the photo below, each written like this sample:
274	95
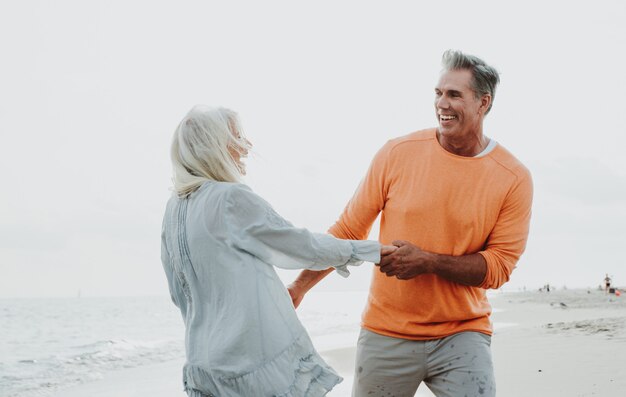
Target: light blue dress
243	338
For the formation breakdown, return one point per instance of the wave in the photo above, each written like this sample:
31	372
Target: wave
84	363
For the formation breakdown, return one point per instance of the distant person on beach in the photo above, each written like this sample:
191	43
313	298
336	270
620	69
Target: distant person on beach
220	243
457	205
607	283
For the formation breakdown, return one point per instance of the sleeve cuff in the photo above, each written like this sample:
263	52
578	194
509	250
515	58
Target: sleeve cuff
361	251
367	250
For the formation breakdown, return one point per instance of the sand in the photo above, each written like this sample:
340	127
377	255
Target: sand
566	343
562	343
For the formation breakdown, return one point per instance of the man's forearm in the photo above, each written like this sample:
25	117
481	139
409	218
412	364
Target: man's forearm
409	261
466	269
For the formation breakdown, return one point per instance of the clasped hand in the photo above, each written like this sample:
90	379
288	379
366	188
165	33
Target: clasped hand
299	287
404	260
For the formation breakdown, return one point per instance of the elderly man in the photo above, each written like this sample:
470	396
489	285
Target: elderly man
457	205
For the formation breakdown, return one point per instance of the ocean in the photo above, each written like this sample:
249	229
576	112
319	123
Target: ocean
47	345
50	344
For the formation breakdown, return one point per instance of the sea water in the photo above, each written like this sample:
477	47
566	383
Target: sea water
46	344
50	344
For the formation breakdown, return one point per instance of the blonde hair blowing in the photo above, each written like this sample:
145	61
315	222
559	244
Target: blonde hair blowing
200	148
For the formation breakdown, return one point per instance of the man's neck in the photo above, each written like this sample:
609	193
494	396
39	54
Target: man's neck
466	146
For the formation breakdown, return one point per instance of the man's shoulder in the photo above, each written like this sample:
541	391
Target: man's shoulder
505	159
427	135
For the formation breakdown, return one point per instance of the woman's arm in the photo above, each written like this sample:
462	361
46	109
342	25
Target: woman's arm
260	231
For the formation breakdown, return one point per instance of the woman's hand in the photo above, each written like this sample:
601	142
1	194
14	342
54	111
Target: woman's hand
296	293
305	281
387	249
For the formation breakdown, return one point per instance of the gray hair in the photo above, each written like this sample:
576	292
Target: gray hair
200	146
485	78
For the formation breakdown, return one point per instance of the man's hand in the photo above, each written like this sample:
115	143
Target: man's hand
406	262
296	293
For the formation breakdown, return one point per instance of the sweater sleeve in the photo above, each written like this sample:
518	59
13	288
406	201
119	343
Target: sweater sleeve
368	200
260	231
507	240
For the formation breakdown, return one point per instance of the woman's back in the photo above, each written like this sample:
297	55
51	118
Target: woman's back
219	243
231	298
243	336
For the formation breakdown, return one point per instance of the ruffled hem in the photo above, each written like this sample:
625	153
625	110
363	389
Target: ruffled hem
298	371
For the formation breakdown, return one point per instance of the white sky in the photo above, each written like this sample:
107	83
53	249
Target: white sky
91	91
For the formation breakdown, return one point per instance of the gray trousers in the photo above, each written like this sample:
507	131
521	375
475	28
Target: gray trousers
455	366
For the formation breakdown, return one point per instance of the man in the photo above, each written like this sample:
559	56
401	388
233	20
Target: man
457	205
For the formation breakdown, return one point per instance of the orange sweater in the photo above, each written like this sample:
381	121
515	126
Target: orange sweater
446	204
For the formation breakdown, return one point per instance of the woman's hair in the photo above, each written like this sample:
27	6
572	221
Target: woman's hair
200	148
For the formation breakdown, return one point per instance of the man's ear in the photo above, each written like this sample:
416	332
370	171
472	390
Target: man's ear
485	102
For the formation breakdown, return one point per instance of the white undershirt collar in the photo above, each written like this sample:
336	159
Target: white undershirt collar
492	144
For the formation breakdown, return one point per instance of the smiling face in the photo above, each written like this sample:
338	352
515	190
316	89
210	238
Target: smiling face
459	112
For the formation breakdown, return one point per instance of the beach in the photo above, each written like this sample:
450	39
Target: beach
561	343
566	343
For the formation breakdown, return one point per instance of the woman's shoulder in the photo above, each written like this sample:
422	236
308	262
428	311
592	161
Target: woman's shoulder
241	194
220	188
233	189
232	192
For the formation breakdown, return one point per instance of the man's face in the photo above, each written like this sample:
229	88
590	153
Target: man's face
459	112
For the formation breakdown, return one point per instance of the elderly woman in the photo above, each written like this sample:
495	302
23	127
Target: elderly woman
220	243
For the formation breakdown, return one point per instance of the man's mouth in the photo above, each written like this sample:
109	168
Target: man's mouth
443	117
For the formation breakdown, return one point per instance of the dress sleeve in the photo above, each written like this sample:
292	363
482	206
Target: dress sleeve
507	240
258	230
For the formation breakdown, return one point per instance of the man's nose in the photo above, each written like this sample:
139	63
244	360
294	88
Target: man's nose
442	103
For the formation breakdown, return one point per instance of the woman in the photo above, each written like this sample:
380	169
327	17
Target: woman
220	242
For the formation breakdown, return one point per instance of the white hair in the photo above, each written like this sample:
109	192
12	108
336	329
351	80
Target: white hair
200	148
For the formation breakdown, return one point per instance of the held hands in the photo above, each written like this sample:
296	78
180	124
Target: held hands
406	261
300	286
386	250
